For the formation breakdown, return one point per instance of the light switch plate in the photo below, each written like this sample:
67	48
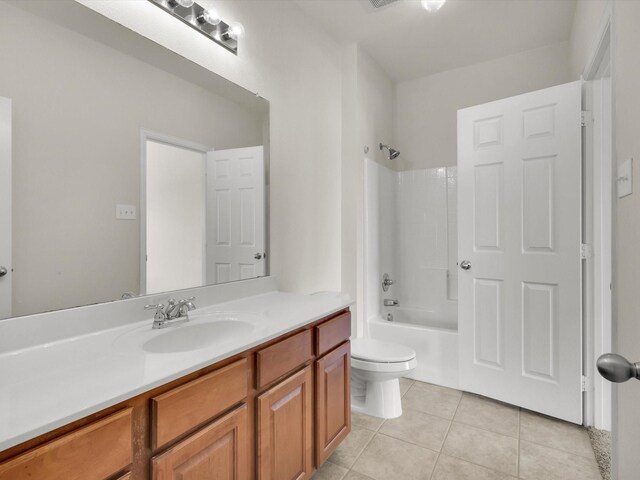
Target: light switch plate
624	180
126	212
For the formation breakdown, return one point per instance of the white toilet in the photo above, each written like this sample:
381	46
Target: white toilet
376	367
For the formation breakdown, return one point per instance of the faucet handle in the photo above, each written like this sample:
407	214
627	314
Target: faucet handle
159	308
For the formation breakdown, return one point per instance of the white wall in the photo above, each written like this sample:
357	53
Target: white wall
426	108
586	20
297	68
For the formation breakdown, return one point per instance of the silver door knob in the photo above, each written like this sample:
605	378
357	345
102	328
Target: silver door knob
616	368
257	256
3	271
465	265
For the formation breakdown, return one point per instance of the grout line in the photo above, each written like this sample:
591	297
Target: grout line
518	457
435	465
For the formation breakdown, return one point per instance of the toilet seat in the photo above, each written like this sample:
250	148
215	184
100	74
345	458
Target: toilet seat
369	350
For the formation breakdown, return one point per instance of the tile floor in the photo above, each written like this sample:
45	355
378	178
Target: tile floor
445	434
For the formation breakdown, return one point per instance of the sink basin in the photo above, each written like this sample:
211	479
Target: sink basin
184	338
204	330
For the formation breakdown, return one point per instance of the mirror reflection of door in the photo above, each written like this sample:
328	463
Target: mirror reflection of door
204	215
175	217
235	218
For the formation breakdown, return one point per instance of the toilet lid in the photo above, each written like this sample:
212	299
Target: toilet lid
372	350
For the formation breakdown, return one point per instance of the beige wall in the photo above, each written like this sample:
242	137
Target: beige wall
368	116
626	72
78	107
586	20
426	108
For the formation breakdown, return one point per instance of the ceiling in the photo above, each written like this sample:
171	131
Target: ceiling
409	42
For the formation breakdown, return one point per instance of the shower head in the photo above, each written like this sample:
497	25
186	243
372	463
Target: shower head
393	153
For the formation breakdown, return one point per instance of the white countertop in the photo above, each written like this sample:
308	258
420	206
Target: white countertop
50	385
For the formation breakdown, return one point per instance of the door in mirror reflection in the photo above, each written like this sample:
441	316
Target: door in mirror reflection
235	219
203	215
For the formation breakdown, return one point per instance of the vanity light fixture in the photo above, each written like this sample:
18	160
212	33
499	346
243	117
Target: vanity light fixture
181	3
210	17
204	20
432	5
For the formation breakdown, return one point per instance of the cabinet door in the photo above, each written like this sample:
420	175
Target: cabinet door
333	416
285	429
217	452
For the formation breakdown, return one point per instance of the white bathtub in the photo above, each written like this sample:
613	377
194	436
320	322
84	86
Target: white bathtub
433	337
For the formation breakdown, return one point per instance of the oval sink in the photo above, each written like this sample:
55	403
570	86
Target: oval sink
184	338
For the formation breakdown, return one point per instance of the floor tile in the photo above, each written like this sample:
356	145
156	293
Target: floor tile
491	450
433	401
351	447
405	384
352	475
449	468
437	388
488	414
366	421
554	433
417	427
543	463
388	458
330	471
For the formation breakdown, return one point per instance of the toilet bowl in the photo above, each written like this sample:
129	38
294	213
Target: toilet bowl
376	367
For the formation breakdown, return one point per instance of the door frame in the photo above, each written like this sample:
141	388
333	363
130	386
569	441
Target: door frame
150	135
6	164
599	202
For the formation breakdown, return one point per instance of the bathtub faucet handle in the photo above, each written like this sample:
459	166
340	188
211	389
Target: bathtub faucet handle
386	282
388	302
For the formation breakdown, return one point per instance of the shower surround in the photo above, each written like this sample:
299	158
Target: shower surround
411	234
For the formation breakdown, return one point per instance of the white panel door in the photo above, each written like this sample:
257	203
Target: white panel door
519	193
235	214
5	208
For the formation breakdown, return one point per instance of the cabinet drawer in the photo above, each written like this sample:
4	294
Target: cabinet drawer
220	450
332	333
187	406
96	451
283	357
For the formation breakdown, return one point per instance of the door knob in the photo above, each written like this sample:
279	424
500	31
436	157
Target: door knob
465	264
257	256
616	368
3	271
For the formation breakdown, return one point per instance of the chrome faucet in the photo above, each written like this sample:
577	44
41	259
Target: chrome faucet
175	313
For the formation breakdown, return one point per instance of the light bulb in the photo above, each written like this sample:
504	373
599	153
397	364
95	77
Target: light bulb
432	5
209	17
236	29
183	3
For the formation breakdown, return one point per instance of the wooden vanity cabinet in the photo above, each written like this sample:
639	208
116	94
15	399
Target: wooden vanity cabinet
285	429
218	451
97	451
333	404
274	412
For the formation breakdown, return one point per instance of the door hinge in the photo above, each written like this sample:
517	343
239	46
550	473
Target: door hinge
585	383
585	116
586	251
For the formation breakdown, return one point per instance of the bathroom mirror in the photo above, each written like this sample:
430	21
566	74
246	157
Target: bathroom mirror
134	170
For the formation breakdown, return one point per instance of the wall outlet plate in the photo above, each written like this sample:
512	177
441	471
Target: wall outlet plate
126	212
624	180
